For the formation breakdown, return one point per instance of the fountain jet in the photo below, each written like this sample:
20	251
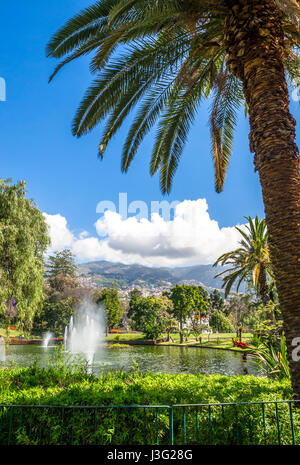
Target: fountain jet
85	330
46	338
2	350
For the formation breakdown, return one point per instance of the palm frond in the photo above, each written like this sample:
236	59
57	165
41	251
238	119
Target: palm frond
223	121
145	120
164	55
80	28
250	259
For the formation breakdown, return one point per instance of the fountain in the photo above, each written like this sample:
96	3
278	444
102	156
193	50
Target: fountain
2	350
85	330
46	339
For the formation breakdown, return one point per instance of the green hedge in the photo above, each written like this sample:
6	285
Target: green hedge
61	386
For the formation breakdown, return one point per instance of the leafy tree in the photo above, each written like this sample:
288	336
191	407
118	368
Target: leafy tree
110	299
178	52
152	315
134	296
62	293
55	316
187	302
61	264
250	261
58	307
220	323
216	301
167	320
197	328
23	241
201	302
242	311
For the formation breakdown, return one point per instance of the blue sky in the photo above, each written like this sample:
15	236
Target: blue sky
63	173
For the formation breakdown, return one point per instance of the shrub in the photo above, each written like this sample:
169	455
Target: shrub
220	323
71	385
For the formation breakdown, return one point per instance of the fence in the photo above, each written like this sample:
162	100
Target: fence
274	422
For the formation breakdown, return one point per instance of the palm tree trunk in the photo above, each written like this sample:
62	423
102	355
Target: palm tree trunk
255	54
263	286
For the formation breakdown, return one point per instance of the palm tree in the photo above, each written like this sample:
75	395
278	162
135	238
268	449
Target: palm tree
167	55
250	260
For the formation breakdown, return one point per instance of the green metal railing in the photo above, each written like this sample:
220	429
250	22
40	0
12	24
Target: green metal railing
273	422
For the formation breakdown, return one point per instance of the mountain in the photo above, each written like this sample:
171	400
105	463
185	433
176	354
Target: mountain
103	273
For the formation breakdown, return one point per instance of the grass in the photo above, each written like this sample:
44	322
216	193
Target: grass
125	337
221	341
10	332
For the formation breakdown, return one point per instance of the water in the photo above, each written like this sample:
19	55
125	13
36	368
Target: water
85	330
46	339
2	350
163	359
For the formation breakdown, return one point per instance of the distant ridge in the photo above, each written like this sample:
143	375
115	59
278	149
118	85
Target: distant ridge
105	273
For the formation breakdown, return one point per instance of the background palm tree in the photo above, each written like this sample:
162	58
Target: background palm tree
250	261
172	54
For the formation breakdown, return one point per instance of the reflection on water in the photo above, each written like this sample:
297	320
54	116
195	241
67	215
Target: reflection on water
163	359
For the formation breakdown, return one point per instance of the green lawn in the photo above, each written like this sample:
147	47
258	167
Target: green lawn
125	337
10	332
222	341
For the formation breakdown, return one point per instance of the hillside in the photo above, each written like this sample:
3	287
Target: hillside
106	273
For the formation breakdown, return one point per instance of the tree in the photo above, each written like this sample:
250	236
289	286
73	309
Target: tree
187	302
220	323
152	315
242	312
62	293
55	316
61	263
250	261
109	298
216	301
23	241
181	51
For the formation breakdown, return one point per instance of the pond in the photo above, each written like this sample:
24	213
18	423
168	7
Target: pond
166	359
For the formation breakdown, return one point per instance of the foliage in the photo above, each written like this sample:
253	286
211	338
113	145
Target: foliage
220	323
110	299
273	354
151	315
55	316
62	293
216	301
250	262
166	56
61	263
188	301
242	311
60	385
23	241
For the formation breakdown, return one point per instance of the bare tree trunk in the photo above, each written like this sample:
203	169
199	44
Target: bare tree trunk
255	48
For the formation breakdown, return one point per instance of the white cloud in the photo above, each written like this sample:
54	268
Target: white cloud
191	237
61	236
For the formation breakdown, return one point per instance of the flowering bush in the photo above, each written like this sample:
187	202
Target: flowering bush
240	344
